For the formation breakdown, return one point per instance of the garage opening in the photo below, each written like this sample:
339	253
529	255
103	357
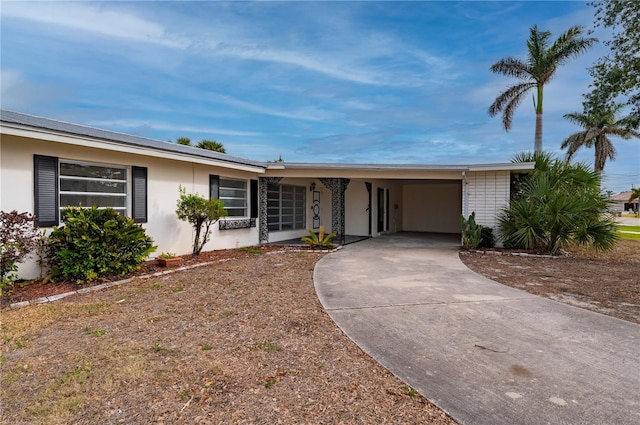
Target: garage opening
432	206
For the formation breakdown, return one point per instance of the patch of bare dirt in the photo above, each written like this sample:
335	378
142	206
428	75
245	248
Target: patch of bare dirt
240	341
606	282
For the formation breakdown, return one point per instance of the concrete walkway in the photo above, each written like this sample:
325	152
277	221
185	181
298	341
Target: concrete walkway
483	352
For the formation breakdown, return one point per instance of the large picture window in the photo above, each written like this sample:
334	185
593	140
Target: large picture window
60	183
286	207
90	184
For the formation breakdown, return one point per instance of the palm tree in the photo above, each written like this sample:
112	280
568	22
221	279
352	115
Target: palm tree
598	124
535	72
211	145
635	195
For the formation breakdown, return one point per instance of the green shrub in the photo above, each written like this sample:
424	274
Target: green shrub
559	204
94	243
471	231
487	240
319	240
18	238
200	212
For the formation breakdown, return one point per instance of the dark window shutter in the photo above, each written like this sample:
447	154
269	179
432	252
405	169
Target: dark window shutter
46	190
139	194
254	198
214	186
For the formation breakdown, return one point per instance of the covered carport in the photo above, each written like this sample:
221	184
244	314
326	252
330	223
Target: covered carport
374	199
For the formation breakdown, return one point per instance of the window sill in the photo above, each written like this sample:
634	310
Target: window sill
237	224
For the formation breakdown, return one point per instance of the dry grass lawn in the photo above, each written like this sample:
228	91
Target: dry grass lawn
243	341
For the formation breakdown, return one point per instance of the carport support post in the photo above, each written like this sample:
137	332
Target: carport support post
263	184
338	187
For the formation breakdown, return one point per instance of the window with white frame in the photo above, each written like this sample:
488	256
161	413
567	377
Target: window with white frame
286	207
90	184
233	193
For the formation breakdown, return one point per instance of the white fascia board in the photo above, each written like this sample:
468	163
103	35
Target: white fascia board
517	166
71	139
324	167
365	167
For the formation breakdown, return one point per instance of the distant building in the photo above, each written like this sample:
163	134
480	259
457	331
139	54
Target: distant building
622	204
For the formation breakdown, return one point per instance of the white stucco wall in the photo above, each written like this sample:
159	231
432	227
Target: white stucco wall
432	206
164	177
487	193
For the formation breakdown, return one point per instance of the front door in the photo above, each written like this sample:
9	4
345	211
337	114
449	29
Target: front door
381	210
369	207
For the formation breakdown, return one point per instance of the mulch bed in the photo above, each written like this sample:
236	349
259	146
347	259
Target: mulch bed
606	282
35	289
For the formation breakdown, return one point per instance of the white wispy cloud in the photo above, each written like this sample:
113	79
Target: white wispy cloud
307	113
99	19
128	124
358	63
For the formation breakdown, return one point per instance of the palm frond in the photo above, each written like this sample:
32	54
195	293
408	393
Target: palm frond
511	67
573	143
569	45
537	43
577	118
508	101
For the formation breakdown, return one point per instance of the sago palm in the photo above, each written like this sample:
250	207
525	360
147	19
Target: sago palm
541	64
598	125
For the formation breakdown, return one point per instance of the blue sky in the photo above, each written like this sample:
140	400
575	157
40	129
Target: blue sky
356	82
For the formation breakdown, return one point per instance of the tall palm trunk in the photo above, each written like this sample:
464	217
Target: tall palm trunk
538	138
537	144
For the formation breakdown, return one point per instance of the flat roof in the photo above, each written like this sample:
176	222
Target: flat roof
31	121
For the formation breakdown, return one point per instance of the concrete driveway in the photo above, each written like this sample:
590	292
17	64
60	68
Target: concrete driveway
483	352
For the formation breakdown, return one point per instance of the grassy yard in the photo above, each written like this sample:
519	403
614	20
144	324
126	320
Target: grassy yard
623	232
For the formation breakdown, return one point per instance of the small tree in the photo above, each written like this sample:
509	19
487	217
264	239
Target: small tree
200	212
18	238
185	141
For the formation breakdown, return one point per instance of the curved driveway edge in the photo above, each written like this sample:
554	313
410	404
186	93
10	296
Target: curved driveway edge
484	352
